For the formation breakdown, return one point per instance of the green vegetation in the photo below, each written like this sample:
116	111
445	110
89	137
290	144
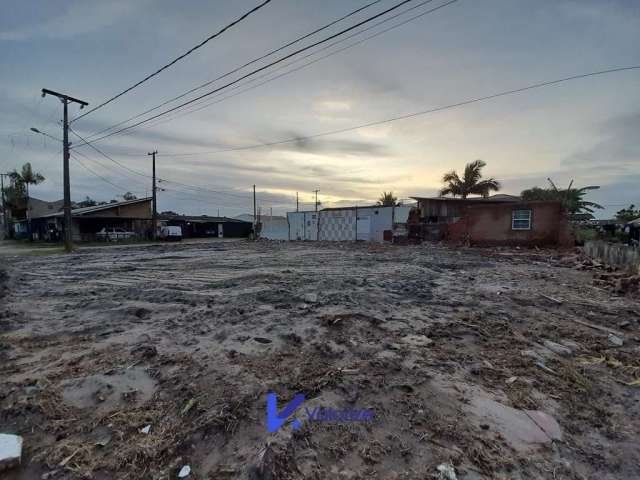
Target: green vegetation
571	198
628	214
471	182
387	199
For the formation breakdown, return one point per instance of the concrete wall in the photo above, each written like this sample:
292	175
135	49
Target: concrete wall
491	224
274	228
370	223
621	256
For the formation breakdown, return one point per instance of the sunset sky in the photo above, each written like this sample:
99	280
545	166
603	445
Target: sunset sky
584	130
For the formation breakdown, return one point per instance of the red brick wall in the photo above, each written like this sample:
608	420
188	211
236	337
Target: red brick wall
491	225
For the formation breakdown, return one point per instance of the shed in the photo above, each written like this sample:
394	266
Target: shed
194	226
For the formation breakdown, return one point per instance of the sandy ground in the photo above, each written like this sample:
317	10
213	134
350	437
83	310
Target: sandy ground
463	361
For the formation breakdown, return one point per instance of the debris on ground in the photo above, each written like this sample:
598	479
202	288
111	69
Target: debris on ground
110	370
184	472
446	472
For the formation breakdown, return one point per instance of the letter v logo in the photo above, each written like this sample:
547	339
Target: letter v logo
274	419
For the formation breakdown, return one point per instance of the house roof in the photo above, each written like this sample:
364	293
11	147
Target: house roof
201	219
498	198
77	212
362	207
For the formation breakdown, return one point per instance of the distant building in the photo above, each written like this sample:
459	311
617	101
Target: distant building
132	216
205	226
367	223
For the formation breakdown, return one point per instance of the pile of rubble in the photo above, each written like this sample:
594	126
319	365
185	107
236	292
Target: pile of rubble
608	277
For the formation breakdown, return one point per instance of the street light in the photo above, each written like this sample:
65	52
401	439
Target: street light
35	130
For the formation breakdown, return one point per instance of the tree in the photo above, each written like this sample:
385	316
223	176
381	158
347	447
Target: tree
387	199
87	202
129	196
470	183
628	214
18	192
571	198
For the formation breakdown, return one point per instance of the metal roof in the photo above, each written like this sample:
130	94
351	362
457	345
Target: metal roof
98	208
201	219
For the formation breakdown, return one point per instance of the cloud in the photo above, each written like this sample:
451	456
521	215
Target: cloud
617	148
332	146
332	106
78	19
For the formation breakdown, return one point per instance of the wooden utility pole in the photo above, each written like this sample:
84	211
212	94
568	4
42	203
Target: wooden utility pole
68	227
5	218
154	213
297	203
316	192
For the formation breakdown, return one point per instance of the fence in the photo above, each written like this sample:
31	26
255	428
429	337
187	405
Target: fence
621	256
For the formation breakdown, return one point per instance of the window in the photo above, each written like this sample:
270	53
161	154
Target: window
521	220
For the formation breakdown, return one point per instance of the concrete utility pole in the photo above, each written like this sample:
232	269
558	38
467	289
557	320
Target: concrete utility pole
316	192
154	213
5	218
297	203
65	99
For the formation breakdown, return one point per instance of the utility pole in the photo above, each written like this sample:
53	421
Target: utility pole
5	218
316	192
65	99
154	213
297	203
255	218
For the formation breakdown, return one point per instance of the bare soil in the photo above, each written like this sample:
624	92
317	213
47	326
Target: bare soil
473	358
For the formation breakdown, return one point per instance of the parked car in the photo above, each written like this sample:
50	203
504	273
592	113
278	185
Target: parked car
114	234
171	233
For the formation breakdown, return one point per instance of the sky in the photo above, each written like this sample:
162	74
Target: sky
585	131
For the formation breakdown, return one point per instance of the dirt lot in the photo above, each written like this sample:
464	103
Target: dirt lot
464	362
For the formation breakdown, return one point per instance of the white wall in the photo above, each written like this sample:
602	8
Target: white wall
274	228
303	225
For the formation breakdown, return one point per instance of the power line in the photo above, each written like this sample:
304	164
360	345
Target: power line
120	188
220	192
199	87
206	104
331	37
107	156
188	52
148	176
416	114
129	176
206	190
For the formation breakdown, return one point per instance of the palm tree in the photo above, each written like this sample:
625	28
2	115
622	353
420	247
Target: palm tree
22	180
470	183
572	198
387	199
